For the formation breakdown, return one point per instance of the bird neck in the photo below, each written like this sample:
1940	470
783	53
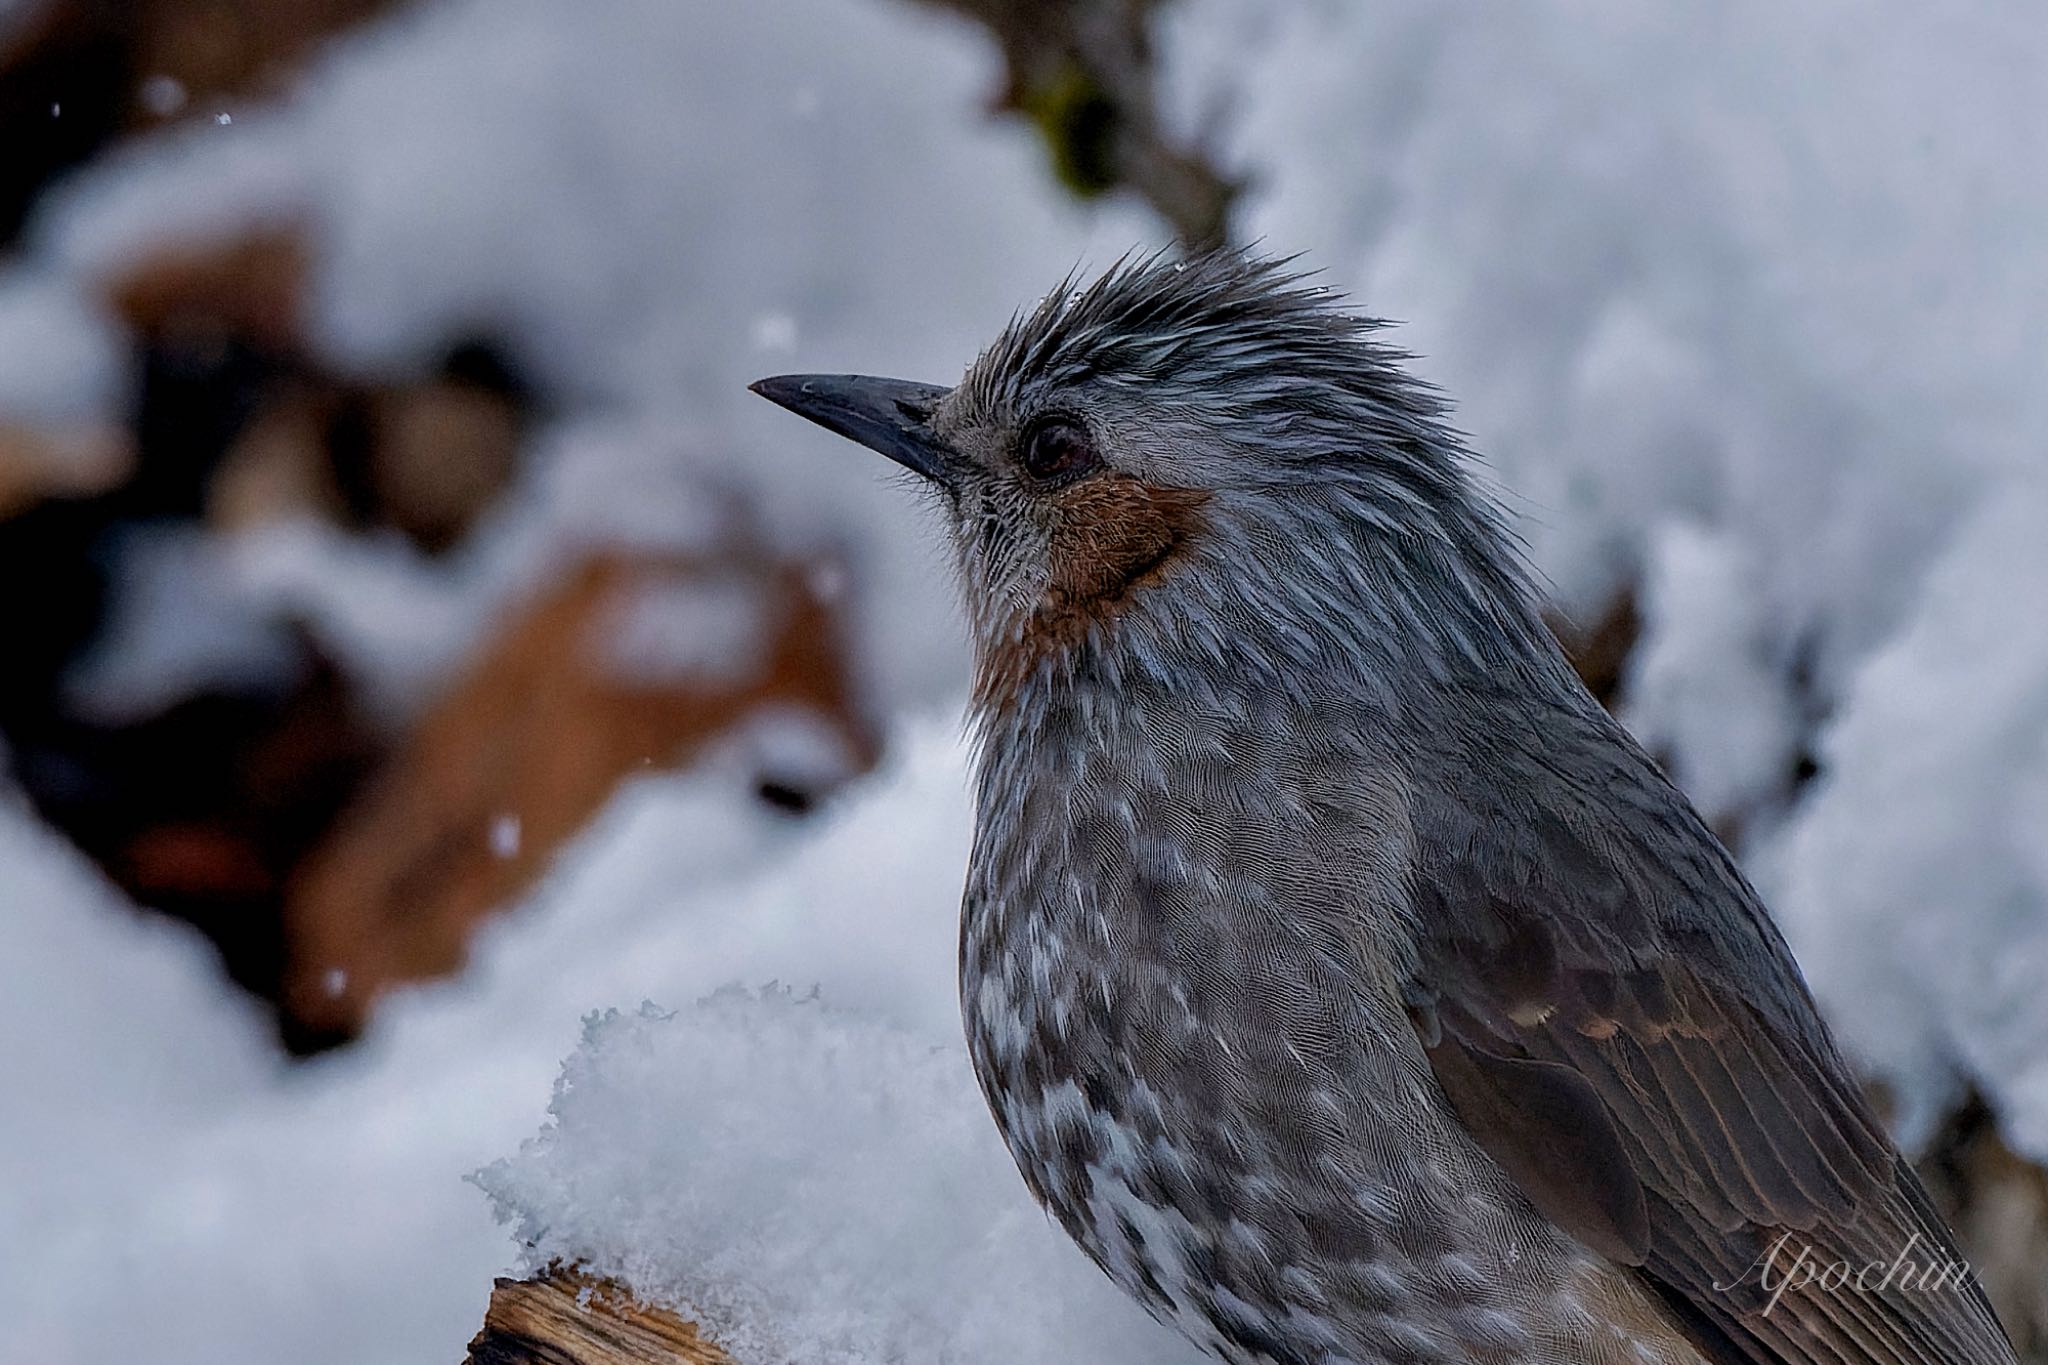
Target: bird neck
1301	596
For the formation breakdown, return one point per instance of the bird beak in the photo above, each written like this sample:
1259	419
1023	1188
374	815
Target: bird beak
888	415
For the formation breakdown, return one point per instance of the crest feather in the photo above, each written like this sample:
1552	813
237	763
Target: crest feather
1218	318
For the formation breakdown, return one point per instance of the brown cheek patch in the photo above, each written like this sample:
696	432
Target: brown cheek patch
1113	536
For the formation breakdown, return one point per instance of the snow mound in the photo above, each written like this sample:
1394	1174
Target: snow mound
811	1184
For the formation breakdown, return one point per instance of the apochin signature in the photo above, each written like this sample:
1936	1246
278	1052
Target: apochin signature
1789	1267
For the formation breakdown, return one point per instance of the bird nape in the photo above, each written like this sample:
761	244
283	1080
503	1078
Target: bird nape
1347	983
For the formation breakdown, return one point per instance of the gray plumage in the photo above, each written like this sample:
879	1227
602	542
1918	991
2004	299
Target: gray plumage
1345	981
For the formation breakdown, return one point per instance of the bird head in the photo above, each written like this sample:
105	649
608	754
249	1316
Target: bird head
1216	428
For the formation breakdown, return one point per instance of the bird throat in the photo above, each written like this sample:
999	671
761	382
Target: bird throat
1113	537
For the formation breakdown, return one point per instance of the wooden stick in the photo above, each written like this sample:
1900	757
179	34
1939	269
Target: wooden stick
565	1317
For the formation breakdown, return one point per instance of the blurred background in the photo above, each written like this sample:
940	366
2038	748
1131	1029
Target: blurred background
413	636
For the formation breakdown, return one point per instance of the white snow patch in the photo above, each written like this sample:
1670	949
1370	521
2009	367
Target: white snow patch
1706	684
63	361
708	628
814	1185
180	623
1913	883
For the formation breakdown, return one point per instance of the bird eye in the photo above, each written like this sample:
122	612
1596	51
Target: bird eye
1057	448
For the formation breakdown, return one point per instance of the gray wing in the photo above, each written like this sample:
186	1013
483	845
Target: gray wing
1613	1016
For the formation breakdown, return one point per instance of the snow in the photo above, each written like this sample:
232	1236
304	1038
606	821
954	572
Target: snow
715	628
794	749
1915	877
654	202
402	622
830	1190
216	1206
117	1036
64	359
1743	304
179	624
1705	685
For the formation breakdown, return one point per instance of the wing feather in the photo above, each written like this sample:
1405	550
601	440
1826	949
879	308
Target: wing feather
1614	1017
